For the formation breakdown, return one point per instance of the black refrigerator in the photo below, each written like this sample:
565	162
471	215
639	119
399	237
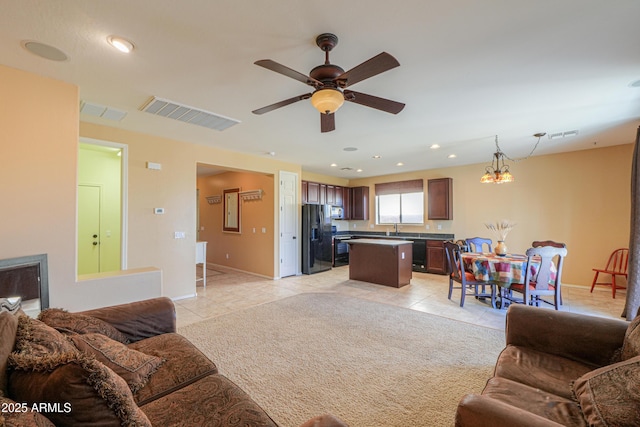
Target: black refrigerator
316	238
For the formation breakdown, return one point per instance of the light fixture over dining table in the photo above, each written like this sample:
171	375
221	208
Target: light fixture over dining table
498	172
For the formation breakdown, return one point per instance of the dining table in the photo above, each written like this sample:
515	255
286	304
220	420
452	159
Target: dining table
502	270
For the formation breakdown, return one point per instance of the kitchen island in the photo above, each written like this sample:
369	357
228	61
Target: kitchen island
382	261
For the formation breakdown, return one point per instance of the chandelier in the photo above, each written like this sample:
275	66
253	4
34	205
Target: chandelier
498	172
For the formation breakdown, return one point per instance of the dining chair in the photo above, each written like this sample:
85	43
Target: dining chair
616	266
541	283
468	283
538	243
475	244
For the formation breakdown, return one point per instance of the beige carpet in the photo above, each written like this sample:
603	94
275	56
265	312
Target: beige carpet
371	364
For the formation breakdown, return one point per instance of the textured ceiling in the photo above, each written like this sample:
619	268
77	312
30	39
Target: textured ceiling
469	70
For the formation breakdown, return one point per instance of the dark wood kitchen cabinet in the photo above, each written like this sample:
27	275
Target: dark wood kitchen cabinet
330	195
338	196
440	198
359	203
313	193
436	257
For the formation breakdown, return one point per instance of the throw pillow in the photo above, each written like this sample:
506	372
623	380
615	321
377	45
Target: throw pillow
80	323
79	390
34	338
133	366
15	414
609	396
631	343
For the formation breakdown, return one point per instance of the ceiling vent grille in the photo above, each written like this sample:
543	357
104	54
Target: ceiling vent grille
184	113
103	111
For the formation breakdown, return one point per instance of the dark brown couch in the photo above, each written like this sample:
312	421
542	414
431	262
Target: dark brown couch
560	369
119	365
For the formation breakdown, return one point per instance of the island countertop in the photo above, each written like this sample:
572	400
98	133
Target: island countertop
382	242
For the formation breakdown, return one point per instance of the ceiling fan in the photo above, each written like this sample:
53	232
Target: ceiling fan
330	82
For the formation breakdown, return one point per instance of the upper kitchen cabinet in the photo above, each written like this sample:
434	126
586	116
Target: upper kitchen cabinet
338	196
440	198
313	193
359	203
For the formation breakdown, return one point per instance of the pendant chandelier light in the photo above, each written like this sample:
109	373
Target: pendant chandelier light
498	172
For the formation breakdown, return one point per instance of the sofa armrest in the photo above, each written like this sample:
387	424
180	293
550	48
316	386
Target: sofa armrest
587	339
140	319
482	411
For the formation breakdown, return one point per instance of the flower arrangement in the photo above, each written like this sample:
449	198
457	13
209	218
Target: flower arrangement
502	228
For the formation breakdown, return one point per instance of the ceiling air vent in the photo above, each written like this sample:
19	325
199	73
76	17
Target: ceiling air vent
184	113
103	111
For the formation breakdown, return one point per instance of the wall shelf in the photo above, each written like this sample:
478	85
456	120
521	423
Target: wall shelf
251	195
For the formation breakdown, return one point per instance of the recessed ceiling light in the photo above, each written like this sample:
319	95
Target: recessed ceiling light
350	149
123	45
271	153
451	156
346	169
358	170
399	164
44	51
333	165
377	156
434	146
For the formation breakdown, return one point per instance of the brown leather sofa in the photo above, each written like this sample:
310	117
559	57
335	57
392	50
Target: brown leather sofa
119	365
560	369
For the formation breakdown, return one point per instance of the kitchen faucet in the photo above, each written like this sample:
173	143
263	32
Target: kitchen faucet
395	228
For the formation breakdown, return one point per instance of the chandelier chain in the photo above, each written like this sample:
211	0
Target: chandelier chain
521	158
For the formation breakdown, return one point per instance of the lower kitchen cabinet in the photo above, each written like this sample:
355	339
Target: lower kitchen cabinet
436	257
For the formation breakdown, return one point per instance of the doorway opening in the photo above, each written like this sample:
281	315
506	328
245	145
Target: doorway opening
101	215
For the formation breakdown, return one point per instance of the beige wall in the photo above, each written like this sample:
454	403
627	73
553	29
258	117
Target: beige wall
580	198
248	250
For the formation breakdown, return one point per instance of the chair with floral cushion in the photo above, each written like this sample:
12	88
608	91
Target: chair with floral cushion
468	283
544	281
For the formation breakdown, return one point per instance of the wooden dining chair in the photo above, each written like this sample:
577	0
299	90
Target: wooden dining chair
468	283
476	244
542	283
616	266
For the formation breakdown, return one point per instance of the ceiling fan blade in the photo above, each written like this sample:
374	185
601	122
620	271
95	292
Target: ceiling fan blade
382	104
286	71
327	122
374	66
281	104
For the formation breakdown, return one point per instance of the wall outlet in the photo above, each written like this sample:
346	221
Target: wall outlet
264	230
254	230
158	211
428	227
227	256
154	166
439	226
354	225
370	225
179	235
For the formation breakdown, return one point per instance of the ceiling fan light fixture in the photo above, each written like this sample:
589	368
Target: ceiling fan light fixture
327	100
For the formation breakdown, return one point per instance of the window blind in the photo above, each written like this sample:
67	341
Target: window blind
399	187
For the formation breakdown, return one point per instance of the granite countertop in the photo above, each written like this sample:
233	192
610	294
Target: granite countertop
381	242
401	236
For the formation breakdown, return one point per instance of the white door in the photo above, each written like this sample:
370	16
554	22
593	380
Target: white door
289	239
88	229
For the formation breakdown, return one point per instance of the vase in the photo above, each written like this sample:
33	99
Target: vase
501	248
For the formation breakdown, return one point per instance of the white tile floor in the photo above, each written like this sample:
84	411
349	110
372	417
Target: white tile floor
229	290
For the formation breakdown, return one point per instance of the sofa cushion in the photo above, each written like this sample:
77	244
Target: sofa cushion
631	343
545	371
565	412
133	366
184	365
610	396
80	323
34	338
77	390
220	403
8	329
15	414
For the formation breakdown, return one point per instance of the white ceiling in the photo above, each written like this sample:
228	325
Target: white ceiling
469	70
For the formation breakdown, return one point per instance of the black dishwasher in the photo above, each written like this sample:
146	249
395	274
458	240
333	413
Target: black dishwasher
419	255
